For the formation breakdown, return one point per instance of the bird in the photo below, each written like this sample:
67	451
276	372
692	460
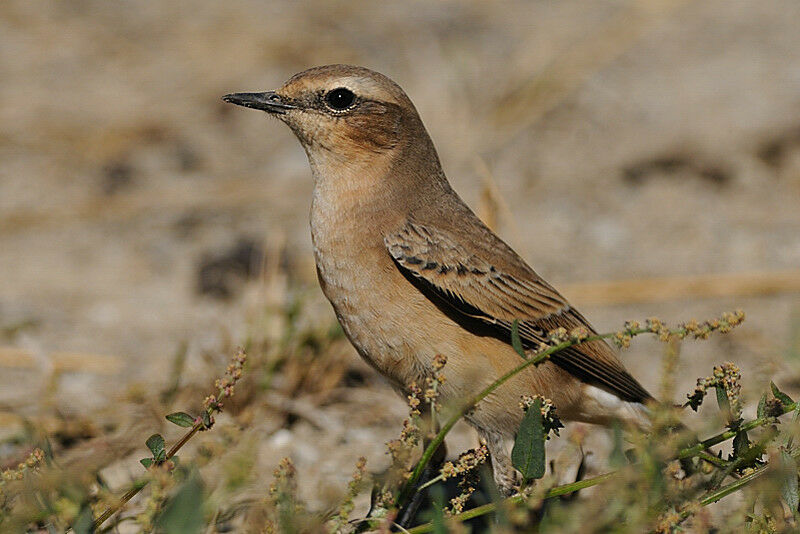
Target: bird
412	273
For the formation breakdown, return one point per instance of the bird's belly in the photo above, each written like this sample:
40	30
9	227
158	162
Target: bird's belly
379	324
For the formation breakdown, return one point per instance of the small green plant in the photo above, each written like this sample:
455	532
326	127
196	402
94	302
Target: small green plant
659	481
160	456
528	454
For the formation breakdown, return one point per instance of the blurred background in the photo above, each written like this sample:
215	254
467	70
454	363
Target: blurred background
146	227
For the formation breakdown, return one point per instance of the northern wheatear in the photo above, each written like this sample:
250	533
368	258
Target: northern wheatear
412	272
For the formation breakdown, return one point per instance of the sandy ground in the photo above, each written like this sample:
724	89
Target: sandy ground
607	141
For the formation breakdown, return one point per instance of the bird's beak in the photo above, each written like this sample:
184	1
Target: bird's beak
269	101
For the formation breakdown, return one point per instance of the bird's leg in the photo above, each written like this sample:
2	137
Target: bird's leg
430	426
506	477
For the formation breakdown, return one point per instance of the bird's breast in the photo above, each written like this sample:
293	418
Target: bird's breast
358	277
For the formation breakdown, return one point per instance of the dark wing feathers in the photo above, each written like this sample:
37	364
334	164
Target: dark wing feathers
477	289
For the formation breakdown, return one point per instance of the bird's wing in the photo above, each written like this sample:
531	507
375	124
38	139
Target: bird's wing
473	287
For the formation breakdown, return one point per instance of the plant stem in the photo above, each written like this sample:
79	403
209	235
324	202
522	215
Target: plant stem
130	494
558	491
408	488
491	507
431	482
539	357
724	491
713	460
140	484
186	437
737	484
694	450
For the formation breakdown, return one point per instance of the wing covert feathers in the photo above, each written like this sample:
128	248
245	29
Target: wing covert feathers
468	281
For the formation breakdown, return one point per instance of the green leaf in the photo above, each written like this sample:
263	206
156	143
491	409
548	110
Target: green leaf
695	399
528	454
741	444
789	482
437	513
146	462
183	513
795	418
762	406
780	395
516	342
181	419
156	445
722	401
83	524
206	419
617	458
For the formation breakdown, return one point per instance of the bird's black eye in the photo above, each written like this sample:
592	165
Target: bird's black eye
340	99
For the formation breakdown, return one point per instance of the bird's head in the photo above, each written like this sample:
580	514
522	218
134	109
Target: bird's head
340	109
